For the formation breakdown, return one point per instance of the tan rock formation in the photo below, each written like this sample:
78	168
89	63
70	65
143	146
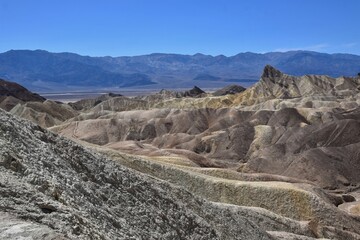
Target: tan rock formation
45	114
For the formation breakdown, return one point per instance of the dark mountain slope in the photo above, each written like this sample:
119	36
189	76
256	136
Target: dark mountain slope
12	93
17	91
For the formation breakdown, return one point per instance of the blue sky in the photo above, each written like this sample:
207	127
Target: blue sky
135	27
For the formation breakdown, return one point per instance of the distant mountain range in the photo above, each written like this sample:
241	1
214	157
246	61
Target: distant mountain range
40	70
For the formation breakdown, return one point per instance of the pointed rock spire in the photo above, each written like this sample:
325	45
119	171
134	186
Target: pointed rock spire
194	92
271	72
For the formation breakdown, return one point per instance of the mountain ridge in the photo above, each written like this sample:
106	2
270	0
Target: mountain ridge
40	69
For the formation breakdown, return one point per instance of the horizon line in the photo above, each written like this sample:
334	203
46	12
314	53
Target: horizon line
170	53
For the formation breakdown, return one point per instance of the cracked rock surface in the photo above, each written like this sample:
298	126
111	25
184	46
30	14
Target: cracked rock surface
53	188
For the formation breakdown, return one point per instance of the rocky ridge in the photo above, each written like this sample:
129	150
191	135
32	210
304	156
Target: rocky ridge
61	70
274	84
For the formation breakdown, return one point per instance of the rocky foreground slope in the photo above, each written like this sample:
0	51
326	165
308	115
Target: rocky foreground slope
52	188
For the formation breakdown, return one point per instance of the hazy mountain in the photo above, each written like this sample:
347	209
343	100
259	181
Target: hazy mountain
44	70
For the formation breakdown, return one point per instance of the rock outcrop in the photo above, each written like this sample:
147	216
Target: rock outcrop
164	94
86	104
274	84
194	92
231	89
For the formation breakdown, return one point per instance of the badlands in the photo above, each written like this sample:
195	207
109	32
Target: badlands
279	160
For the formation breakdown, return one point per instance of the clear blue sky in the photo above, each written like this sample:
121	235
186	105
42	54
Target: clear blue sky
135	27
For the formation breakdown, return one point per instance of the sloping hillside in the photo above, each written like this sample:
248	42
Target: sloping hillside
53	188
